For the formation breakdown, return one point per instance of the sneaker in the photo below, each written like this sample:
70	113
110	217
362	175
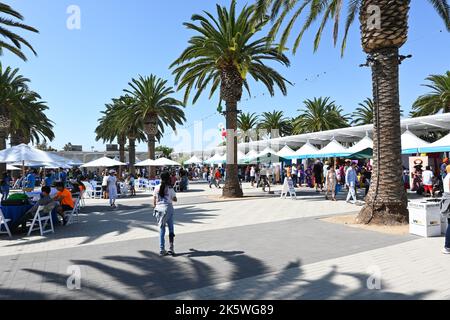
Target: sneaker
171	252
446	251
65	220
162	253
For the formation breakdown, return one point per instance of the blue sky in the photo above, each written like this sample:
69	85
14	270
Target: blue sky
78	71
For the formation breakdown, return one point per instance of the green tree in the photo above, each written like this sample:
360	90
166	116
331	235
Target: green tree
364	113
7	30
438	100
275	124
166	151
247	123
29	123
384	30
118	122
45	147
319	114
109	133
154	108
224	53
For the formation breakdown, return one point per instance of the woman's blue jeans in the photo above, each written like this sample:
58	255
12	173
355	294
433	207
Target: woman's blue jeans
162	230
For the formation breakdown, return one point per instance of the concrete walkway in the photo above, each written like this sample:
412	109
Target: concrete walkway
261	247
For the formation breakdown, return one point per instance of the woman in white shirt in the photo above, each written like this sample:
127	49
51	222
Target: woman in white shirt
163	198
112	188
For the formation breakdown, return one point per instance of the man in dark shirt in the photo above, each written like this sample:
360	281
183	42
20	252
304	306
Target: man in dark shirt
318	175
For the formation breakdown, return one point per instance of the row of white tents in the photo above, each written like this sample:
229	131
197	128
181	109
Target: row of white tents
27	156
411	144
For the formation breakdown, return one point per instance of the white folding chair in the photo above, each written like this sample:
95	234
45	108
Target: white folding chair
91	192
4	222
82	203
151	185
97	190
42	222
73	214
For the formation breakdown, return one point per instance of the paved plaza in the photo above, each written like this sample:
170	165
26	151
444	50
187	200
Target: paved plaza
259	247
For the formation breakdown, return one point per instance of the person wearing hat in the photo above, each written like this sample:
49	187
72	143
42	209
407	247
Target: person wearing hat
112	188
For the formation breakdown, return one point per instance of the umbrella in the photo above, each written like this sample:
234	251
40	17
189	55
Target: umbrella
193	160
75	163
164	162
12	168
146	163
104	162
161	162
24	153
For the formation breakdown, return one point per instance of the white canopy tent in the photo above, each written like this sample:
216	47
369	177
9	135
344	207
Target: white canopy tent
305	151
411	143
217	159
104	162
12	168
419	125
286	152
333	149
252	154
442	145
193	160
365	143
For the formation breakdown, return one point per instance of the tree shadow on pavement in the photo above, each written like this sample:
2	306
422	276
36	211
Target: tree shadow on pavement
205	275
101	221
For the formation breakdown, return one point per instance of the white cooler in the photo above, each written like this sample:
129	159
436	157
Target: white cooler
425	218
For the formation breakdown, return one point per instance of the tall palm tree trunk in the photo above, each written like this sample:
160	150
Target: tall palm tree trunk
232	189
132	155
15	139
151	154
3	136
121	142
386	202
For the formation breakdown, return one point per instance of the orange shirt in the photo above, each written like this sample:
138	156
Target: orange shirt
66	198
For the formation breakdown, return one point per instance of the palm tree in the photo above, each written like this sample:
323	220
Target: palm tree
319	114
275	124
364	113
119	123
384	30
246	123
436	101
29	122
155	108
224	53
109	133
12	84
16	40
